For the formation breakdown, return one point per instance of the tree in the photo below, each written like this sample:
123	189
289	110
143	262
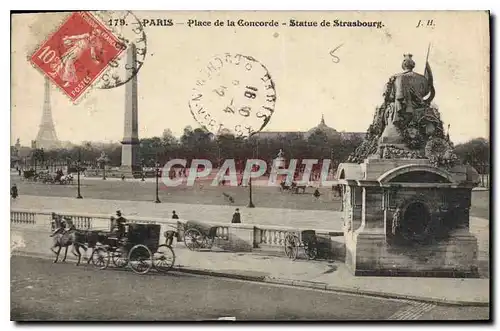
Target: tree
151	149
324	146
168	139
475	152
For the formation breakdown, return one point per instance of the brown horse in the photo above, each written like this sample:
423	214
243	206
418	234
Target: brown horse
66	239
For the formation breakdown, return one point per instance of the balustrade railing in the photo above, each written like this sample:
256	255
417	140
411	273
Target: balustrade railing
272	237
21	217
256	235
82	222
222	232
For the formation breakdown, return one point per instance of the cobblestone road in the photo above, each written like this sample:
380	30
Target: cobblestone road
41	290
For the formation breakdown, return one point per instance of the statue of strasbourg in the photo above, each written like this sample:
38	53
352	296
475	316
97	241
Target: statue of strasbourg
406	125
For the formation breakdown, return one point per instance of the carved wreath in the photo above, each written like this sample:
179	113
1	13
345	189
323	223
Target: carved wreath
412	137
440	153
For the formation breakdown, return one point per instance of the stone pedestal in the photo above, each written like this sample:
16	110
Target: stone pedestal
369	254
130	171
407	218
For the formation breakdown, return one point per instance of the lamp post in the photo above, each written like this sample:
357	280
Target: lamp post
103	159
157	172
331	161
142	170
250	202
78	164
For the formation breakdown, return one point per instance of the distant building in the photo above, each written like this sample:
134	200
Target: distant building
329	131
19	154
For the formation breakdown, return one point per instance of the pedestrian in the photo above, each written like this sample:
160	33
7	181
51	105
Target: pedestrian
123	177
316	193
236	216
175	216
19	170
13	192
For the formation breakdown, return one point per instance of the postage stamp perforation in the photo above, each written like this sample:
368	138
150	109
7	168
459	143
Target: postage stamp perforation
99	76
118	33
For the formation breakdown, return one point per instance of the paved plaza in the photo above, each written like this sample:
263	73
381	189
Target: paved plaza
137	190
183	296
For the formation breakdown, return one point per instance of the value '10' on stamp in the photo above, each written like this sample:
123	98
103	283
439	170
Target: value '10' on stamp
75	55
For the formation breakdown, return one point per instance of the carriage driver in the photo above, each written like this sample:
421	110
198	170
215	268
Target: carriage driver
119	225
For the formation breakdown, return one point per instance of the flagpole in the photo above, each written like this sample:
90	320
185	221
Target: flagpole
428	51
428	75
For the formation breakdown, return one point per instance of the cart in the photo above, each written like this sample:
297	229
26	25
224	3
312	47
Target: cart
305	239
140	249
198	235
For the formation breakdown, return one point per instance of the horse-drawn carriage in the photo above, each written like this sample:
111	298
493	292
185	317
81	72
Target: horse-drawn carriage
294	187
198	235
139	248
55	178
46	177
66	179
30	175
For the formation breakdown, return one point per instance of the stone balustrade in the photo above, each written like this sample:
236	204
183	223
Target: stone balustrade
22	217
223	232
272	237
234	237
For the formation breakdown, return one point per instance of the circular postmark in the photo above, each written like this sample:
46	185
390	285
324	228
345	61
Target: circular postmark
129	30
234	94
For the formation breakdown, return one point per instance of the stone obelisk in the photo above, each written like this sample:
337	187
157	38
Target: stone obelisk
130	143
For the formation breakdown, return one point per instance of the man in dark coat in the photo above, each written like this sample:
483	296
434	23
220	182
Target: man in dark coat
175	216
13	191
316	193
120	222
236	216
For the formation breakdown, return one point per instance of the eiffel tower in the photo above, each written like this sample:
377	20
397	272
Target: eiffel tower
46	137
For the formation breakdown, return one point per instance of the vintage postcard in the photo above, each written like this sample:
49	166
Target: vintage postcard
250	165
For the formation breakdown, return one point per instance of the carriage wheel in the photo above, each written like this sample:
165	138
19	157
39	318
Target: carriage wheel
100	258
292	246
193	239
311	251
140	259
164	258
119	257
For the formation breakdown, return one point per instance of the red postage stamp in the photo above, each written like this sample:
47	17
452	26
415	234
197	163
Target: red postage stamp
76	54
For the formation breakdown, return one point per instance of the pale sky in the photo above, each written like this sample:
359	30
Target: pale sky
308	82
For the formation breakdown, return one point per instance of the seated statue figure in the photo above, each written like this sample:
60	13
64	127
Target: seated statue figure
407	90
404	92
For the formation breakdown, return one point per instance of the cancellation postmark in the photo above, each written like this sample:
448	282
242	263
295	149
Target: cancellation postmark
129	30
234	94
77	53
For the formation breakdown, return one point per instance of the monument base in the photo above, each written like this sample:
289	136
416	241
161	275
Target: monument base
369	254
130	171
